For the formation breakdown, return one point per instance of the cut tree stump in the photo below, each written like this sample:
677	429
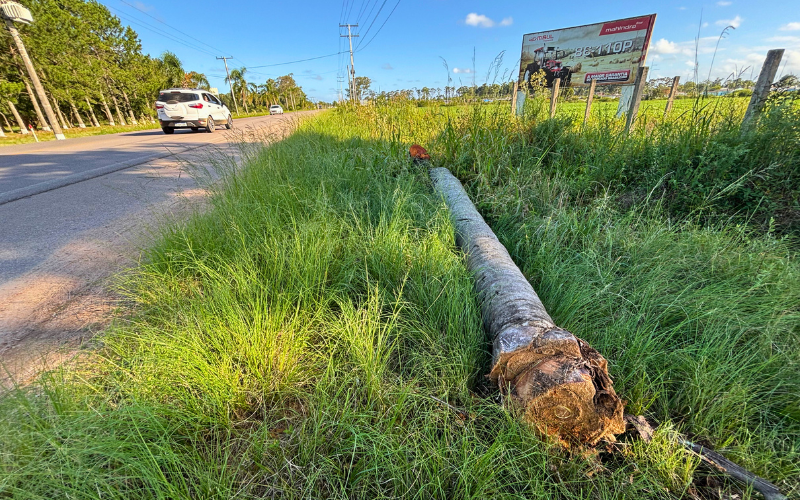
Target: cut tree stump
560	381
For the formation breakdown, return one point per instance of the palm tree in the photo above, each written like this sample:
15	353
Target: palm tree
271	87
238	81
253	92
172	69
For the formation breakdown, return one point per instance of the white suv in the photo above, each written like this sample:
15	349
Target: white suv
191	108
275	109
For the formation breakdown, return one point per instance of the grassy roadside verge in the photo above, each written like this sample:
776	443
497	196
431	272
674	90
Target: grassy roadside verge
14	138
290	341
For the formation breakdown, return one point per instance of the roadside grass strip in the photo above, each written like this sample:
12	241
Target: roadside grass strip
314	334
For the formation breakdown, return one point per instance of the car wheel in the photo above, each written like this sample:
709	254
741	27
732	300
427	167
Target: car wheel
229	124
210	125
168	130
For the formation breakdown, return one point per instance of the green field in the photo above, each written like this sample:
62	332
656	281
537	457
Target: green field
296	340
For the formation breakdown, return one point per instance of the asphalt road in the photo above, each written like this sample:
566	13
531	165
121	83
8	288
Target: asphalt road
33	226
26	165
92	205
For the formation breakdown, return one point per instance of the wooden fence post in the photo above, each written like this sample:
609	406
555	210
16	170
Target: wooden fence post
589	101
638	88
514	99
672	91
554	96
762	88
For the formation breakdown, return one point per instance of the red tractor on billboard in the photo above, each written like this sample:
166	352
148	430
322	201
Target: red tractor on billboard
548	59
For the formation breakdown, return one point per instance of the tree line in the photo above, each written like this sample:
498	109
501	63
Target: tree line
252	96
93	70
90	66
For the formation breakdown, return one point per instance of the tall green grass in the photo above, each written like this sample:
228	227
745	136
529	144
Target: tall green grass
297	339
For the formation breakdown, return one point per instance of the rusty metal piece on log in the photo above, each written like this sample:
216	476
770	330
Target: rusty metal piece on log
561	382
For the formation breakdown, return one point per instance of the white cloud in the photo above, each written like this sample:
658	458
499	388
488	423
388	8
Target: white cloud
790	27
785	39
707	45
735	22
462	70
482	21
664	46
723	3
681	8
387	66
705	25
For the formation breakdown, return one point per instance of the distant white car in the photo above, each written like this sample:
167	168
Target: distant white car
275	109
191	108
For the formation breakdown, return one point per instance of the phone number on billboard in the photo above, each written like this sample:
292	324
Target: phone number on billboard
609	48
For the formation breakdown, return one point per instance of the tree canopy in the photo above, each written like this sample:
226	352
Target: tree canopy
84	56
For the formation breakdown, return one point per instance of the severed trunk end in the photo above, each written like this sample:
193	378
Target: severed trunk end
560	381
564	387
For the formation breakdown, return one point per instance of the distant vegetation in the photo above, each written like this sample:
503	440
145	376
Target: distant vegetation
93	70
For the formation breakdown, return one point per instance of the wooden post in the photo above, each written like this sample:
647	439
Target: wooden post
672	91
762	88
554	97
638	88
589	101
514	99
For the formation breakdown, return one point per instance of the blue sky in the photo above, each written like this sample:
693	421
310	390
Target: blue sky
404	49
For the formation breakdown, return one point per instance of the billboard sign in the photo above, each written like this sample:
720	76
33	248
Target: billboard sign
608	53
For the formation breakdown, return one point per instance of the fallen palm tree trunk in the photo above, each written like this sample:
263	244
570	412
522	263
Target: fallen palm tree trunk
561	382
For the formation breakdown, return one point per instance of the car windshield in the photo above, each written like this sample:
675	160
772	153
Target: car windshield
275	107
177	97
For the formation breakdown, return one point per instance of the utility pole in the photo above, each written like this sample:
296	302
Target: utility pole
340	79
350	37
225	60
12	11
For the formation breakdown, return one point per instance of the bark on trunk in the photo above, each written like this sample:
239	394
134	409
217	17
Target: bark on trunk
77	115
119	113
109	116
8	125
43	122
561	382
59	114
130	109
91	113
22	129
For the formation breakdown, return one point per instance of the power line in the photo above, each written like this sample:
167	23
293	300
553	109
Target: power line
382	25
165	24
298	61
157	31
373	22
